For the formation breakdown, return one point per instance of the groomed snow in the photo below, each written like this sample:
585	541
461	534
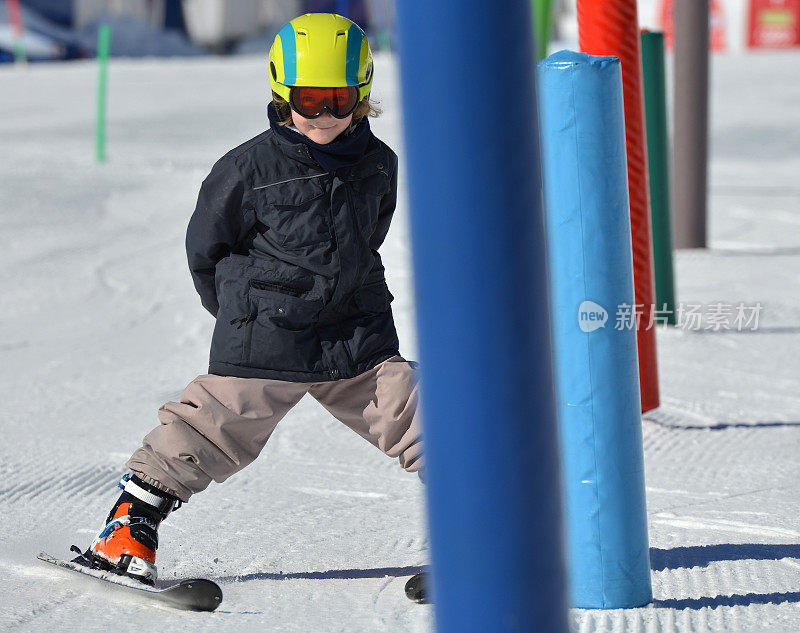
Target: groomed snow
100	324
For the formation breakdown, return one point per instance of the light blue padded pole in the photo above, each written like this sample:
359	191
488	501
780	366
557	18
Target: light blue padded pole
594	336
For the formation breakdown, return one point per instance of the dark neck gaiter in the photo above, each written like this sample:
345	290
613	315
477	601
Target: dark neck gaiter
345	150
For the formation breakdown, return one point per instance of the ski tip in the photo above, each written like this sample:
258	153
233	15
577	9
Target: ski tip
207	595
195	594
415	589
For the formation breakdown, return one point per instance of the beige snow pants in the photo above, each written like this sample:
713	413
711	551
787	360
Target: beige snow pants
221	423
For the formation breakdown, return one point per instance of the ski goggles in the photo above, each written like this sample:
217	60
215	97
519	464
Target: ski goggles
312	102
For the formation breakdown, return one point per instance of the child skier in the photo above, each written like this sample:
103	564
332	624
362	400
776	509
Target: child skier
283	250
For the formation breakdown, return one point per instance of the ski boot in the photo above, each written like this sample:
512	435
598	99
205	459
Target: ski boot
127	545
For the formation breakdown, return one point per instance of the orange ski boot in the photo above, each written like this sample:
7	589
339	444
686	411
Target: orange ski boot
127	545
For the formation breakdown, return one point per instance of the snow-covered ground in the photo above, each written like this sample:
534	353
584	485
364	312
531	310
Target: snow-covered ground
99	325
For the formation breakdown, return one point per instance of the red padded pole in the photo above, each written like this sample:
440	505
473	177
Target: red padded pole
611	27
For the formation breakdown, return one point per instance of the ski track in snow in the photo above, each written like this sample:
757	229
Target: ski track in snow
99	325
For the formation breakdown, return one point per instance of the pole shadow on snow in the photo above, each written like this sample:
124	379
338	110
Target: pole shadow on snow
722	426
333	574
660	560
790	251
736	600
767	329
704	555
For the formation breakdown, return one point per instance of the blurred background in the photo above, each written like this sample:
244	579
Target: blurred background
67	29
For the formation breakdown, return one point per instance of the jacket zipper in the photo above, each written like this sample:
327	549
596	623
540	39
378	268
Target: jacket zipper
258	284
357	227
353	217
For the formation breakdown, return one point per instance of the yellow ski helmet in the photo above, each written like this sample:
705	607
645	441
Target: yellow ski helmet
320	50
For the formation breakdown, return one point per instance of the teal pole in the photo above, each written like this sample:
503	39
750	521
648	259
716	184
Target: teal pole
103	47
655	110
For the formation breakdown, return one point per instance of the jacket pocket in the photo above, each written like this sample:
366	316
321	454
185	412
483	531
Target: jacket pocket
280	332
376	184
372	176
369	192
227	342
296	215
277	286
263	321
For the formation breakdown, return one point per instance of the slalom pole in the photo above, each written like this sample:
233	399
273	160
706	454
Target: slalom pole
655	109
480	276
15	18
597	383
690	92
611	27
542	11
343	7
103	48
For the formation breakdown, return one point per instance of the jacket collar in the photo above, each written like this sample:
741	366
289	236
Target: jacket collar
346	150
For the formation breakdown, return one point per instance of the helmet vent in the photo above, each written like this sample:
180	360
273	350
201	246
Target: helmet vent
272	70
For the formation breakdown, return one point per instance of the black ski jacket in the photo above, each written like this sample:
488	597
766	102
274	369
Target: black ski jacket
285	256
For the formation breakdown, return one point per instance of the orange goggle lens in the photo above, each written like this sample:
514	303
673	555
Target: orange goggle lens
312	102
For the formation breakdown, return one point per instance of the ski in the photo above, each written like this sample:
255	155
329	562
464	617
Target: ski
196	594
416	588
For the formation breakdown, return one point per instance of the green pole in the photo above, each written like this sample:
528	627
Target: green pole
19	52
18	31
655	105
541	10
103	47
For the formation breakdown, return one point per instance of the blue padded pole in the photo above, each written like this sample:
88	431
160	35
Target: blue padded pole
591	269
343	7
492	466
